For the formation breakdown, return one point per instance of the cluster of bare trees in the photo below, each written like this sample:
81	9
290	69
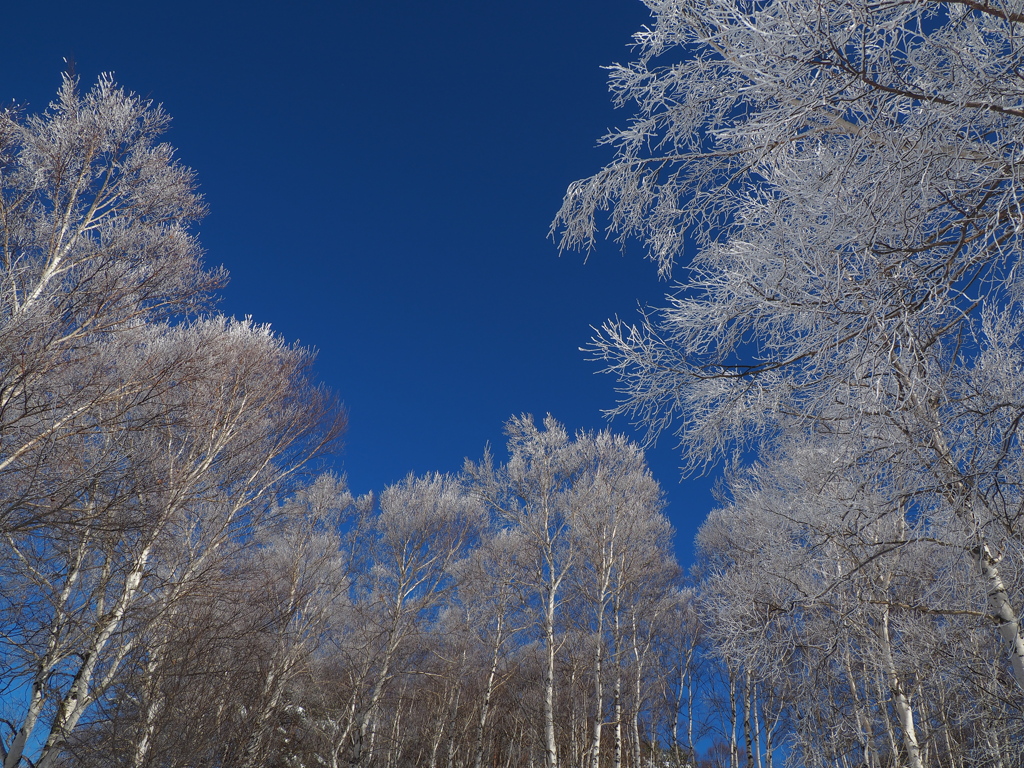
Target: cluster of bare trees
514	614
521	613
861	624
142	442
176	591
849	328
517	614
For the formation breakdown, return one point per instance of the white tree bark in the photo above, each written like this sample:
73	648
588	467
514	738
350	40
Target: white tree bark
550	741
900	699
1006	619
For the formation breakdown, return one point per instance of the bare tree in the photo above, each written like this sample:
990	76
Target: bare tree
94	218
238	420
140	443
849	610
403	575
592	547
850	175
533	493
623	542
489	593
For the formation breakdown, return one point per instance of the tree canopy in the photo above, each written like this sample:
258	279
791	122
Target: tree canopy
838	185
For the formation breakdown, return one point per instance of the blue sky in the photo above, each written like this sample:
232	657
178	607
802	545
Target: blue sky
381	176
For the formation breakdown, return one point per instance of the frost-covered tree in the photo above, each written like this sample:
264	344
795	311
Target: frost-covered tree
141	442
403	556
591	560
623	541
145	531
849	175
864	621
489	591
534	493
95	219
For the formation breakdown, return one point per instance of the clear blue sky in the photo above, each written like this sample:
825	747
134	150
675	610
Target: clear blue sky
381	176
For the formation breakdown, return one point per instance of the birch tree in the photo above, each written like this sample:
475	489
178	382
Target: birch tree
218	441
489	592
849	175
591	538
531	493
95	219
140	441
848	610
404	574
623	570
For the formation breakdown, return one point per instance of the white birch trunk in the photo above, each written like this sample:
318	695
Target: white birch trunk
79	696
595	744
153	707
485	708
618	722
13	755
863	721
689	702
901	701
747	717
550	745
1000	609
17	748
757	726
1002	612
734	750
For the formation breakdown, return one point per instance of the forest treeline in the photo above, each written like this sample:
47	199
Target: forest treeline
182	585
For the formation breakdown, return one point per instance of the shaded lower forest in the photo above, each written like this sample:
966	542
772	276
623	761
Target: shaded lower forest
529	612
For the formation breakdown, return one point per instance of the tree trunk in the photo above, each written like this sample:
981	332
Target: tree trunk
900	700
485	708
1001	611
550	745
